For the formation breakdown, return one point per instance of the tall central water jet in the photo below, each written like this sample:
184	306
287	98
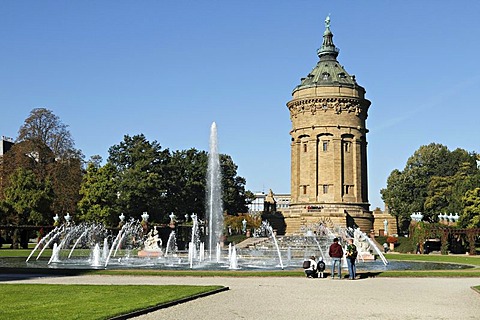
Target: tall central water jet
214	193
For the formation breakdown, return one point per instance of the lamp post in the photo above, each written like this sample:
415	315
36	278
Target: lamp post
68	218
145	221
122	220
172	220
55	220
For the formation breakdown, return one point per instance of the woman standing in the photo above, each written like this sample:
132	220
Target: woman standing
351	254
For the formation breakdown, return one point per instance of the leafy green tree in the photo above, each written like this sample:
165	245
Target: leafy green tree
433	181
187	182
45	147
66	177
445	193
141	168
99	195
31	155
153	180
234	199
27	199
398	197
470	218
96	160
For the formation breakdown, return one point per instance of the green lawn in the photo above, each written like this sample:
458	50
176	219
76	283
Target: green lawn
21	252
41	301
462	259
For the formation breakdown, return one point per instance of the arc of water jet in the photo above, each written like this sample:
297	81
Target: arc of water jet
40	242
170	236
319	247
78	240
114	243
50	241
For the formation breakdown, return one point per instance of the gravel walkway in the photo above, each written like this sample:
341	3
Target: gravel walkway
301	298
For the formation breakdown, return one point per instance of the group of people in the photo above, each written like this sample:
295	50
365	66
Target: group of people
314	269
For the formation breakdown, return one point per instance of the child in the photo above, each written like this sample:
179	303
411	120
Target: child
321	267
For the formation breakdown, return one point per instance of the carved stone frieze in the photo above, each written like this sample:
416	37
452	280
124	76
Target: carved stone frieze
336	105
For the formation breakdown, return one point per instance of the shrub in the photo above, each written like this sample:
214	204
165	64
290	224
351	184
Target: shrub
392	239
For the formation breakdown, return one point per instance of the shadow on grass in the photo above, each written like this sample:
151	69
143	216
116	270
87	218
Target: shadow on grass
10	274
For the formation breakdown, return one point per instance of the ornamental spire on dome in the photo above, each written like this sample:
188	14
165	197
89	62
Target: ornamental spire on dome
328	51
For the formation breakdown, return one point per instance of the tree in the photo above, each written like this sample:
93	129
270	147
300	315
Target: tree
234	200
433	181
30	155
398	197
42	125
470	218
141	168
45	147
27	200
187	187
187	182
150	179
445	193
96	160
99	195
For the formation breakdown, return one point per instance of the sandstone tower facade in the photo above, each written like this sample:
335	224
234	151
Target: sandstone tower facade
328	146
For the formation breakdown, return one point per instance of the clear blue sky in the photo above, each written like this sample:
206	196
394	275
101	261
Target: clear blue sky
168	69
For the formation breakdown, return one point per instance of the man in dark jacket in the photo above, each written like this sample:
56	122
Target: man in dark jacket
336	253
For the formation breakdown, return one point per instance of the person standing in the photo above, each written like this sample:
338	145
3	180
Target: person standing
351	258
336	253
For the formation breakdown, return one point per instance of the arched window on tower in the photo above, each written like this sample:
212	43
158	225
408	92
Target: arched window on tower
304	147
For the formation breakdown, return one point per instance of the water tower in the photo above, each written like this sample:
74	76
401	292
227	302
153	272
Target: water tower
328	111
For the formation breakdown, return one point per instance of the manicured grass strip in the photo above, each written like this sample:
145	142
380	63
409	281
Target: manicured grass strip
462	259
13	253
42	301
468	273
477	288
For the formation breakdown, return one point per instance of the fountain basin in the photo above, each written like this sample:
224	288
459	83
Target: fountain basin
182	263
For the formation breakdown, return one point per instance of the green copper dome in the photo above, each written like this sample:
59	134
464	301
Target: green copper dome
328	72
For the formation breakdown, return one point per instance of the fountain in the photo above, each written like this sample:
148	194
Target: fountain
95	248
214	194
233	261
91	245
171	248
96	258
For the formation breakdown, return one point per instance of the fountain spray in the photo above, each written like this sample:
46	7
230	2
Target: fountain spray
214	194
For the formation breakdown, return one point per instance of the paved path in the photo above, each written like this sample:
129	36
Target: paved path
301	298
